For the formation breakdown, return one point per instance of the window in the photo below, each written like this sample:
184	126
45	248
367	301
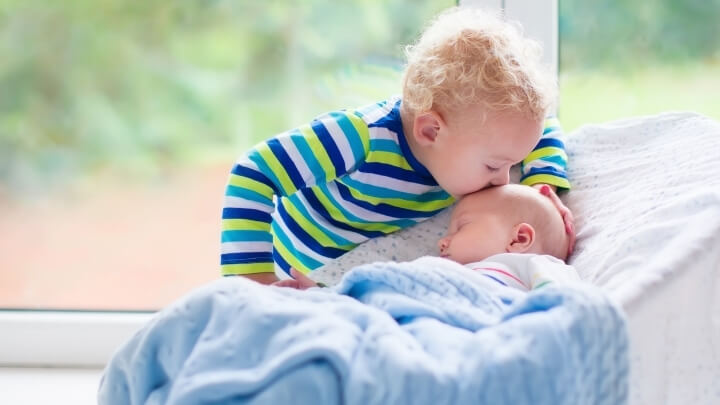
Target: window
119	122
626	58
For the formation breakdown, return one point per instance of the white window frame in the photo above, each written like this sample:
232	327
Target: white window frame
539	19
88	339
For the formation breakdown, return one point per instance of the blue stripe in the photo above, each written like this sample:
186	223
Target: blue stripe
246	236
255	175
295	201
496	279
309	156
403	223
246	213
234	191
306	238
305	259
382	192
320	209
385	145
284	265
330	147
352	135
545	142
265	169
558	160
551	128
383	208
545	170
286	162
245	257
387	170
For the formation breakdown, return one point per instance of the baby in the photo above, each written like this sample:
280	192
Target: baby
489	230
512	234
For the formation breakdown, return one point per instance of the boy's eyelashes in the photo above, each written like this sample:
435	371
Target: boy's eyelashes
492	168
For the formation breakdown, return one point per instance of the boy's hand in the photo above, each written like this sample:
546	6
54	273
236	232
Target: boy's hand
300	281
262	278
565	213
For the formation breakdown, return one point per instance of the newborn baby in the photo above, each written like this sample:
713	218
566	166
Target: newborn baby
489	228
512	234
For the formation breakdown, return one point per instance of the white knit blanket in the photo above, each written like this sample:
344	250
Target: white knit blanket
646	200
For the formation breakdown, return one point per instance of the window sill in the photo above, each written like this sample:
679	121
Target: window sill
64	339
36	386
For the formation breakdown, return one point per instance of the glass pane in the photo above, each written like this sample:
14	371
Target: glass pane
119	121
626	58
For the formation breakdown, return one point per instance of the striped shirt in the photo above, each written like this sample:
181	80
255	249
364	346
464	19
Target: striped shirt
311	194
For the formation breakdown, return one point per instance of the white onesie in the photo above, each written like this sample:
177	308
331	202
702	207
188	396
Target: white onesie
525	272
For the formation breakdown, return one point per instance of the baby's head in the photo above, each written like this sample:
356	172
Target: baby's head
506	219
475	95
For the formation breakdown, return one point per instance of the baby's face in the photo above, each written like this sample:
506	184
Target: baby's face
471	154
478	229
483	223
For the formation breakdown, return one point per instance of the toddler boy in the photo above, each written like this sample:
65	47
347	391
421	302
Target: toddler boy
473	104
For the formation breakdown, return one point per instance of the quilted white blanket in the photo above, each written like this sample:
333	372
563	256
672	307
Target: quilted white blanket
647	209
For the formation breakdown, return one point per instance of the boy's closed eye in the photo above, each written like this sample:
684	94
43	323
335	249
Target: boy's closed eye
492	168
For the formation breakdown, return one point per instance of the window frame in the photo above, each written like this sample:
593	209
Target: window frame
35	338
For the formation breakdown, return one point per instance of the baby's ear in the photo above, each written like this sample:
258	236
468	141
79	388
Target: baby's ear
426	126
521	238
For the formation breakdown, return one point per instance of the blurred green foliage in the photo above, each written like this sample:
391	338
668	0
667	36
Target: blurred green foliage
625	58
142	87
621	35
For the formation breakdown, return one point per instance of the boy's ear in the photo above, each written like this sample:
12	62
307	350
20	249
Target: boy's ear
426	127
521	238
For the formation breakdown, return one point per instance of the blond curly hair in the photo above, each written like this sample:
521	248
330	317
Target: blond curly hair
467	56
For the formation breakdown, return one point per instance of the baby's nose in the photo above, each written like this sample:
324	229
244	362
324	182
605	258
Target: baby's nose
443	243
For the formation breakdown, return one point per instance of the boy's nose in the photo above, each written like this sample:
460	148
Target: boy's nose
501	179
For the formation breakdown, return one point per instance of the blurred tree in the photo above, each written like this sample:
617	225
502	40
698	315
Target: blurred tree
618	34
138	86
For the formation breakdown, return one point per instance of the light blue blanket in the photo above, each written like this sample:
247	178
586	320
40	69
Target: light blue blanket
423	332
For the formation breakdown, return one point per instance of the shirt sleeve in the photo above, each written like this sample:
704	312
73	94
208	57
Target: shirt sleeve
319	152
547	163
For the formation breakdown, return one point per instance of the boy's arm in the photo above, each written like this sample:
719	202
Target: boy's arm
547	163
319	152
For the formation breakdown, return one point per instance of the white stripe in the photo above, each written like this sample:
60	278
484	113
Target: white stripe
341	140
308	176
244	160
555	133
376	112
353	237
246	246
365	214
540	164
392	183
383	133
238	202
297	244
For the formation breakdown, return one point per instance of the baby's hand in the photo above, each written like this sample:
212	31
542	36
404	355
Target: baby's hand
299	281
565	212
